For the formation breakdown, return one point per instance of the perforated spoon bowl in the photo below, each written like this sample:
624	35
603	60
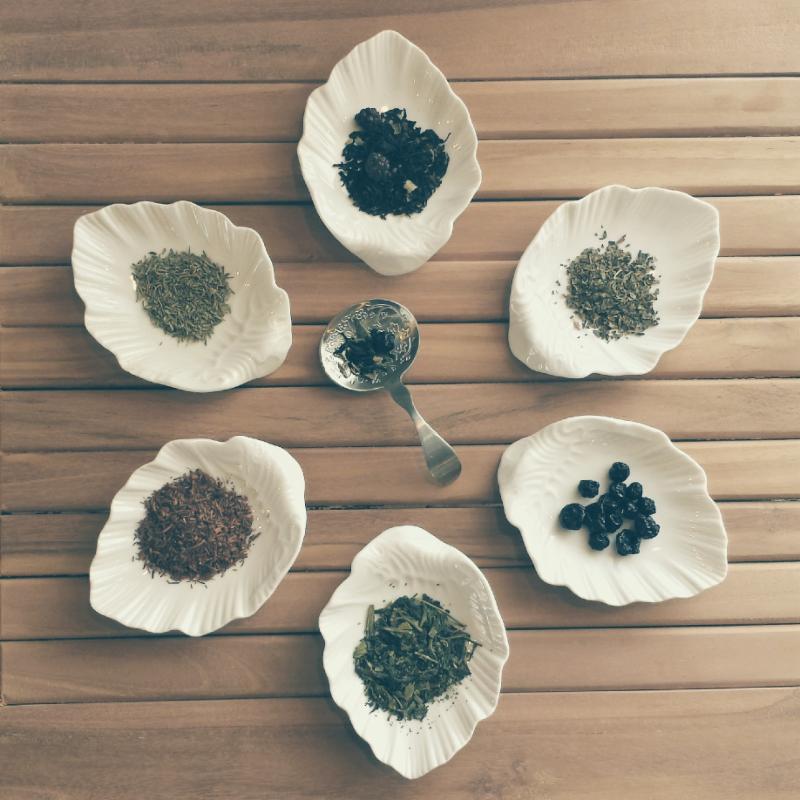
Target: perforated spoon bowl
386	315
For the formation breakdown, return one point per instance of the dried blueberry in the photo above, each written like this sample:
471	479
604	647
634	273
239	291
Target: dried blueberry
617	491
572	516
595	518
646	527
598	541
627	543
647	506
588	488
613	521
619	471
633	491
629	510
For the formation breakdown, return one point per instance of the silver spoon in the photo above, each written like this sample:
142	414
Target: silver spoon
386	315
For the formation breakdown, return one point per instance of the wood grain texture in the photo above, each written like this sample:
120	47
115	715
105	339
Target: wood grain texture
445	291
242	40
273	112
721	348
485	413
749	226
82	481
58	608
64	544
512	170
534	746
92	670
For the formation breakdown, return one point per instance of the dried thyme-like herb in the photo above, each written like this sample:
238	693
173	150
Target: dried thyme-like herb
184	293
412	653
612	292
194	528
390	165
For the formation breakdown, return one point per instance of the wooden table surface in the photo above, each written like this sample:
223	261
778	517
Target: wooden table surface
115	101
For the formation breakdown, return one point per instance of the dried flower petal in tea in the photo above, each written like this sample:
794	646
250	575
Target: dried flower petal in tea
413	652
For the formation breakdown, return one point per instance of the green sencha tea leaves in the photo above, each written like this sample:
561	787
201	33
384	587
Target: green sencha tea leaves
612	292
413	652
194	528
390	165
183	293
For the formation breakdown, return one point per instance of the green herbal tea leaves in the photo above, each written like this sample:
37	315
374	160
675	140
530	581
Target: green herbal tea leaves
183	293
412	653
194	528
612	292
390	165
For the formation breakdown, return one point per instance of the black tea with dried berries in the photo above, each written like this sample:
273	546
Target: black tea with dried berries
413	652
194	528
390	165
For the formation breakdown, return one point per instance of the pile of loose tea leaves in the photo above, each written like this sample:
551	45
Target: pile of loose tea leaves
412	653
184	293
194	528
621	501
390	165
368	354
612	292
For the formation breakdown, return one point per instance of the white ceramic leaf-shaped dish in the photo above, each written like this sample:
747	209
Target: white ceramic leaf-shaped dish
539	475
272	481
682	233
250	342
387	71
404	561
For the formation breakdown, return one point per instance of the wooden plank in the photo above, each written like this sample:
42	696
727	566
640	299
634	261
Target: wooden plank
58	608
534	743
82	481
63	544
719	348
445	291
484	232
273	112
238	40
512	170
484	413
108	670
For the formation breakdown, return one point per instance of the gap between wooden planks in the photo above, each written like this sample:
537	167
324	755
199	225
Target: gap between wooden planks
67	358
273	112
64	543
766	594
465	414
512	170
152	668
535	744
484	232
80	481
238	40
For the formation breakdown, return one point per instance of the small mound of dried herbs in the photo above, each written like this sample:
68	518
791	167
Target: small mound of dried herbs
612	292
194	528
368	355
413	652
390	165
183	293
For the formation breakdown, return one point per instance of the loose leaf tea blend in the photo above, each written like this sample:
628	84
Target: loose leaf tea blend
368	354
183	293
612	292
194	528
390	165
412	653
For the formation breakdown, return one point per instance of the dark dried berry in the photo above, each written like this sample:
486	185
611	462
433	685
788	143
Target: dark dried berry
617	491
588	488
608	503
572	516
613	521
630	510
647	527
598	541
619	471
627	543
595	518
647	506
633	491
